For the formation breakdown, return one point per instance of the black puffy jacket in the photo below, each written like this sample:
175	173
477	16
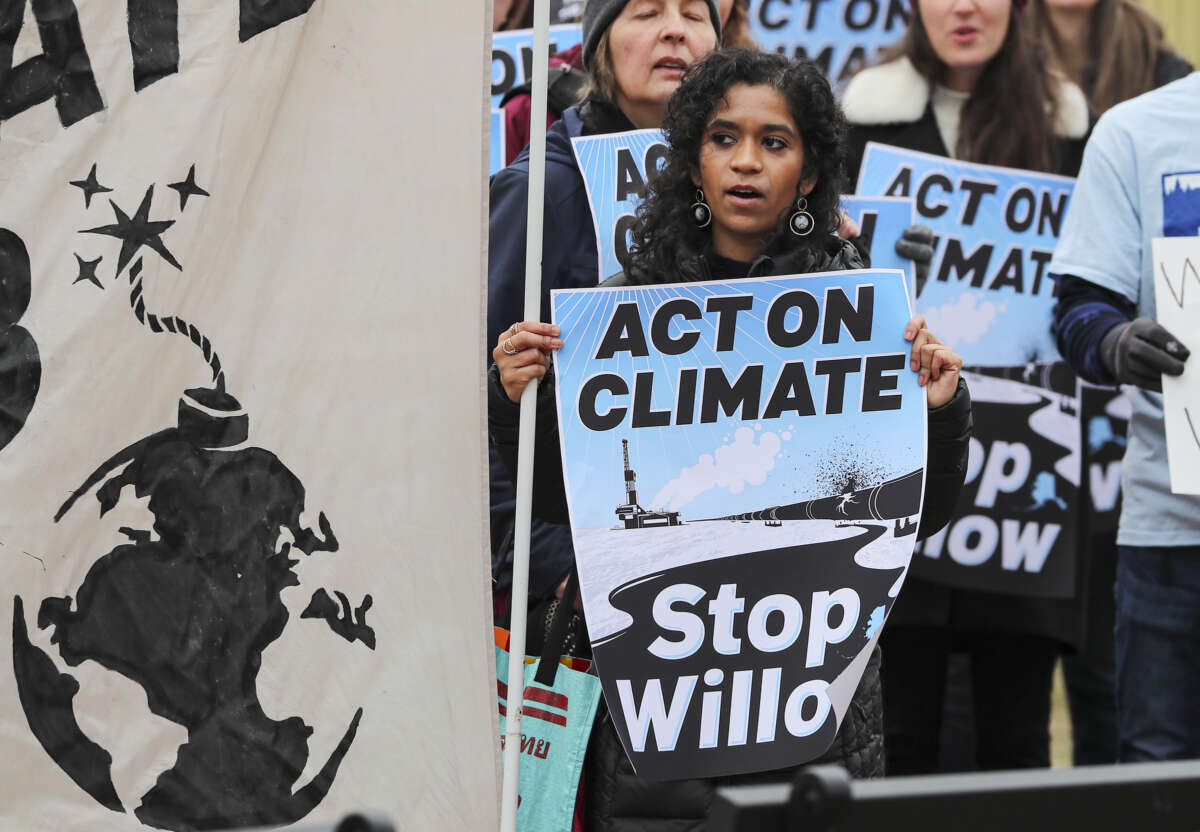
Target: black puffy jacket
617	800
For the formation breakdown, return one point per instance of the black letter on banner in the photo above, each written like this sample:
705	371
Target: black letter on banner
856	25
902	184
778	332
629	179
791	392
660	327
153	40
1021	194
1011	274
839	313
926	210
509	77
527	58
621	229
975	191
624	333
855	62
824	60
685	396
771	24
897	9
1051	213
62	72
727	323
744	393
976	265
260	15
587	401
1042	259
837	369
643	416
875	382
866	229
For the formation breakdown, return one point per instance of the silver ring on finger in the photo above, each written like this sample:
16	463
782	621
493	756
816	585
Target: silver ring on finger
508	347
515	328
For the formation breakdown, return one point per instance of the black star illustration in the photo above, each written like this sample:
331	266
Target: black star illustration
188	187
87	271
136	232
90	187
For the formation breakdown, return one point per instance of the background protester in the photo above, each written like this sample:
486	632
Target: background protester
1105	327
965	83
1114	50
568	78
636	52
511	14
760	138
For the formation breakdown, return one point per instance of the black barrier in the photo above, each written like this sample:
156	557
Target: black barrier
1164	797
363	822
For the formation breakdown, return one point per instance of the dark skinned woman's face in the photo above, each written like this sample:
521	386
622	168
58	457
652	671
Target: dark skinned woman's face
750	168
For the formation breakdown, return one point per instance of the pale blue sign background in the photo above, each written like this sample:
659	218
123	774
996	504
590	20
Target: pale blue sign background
600	161
842	36
789	452
995	310
509	51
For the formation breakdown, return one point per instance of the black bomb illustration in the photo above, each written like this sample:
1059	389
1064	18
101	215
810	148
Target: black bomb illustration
186	608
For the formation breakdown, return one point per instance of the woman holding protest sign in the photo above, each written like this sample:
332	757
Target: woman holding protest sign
750	188
968	82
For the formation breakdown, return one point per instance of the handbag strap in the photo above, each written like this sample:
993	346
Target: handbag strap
557	637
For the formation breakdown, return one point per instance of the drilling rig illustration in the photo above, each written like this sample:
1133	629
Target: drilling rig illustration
632	514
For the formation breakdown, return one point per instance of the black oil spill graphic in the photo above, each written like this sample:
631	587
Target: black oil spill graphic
794	570
185	610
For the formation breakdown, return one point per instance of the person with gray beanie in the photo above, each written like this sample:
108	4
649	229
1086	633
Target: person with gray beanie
636	53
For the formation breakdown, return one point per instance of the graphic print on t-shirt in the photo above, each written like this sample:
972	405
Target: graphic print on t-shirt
1181	204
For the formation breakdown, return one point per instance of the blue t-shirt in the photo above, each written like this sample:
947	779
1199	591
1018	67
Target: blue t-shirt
1140	180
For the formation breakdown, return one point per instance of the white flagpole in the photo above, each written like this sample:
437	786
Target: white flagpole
533	311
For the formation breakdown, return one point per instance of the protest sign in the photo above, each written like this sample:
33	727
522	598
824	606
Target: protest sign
881	222
614	169
989	297
496	144
1177	304
841	36
779	441
512	55
214	538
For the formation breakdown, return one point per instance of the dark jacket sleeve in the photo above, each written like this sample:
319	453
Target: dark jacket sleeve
1083	315
946	460
504	419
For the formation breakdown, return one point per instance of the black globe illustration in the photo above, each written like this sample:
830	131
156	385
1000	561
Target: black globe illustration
185	610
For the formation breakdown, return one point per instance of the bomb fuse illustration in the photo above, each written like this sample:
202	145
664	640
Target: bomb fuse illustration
186	608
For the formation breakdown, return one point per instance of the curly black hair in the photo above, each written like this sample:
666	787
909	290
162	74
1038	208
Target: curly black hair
665	232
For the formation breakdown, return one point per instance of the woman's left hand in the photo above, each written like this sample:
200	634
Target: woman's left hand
937	366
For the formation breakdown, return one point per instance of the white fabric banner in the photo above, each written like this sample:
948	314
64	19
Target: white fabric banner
242	525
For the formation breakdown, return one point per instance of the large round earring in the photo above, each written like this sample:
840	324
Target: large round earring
701	213
801	222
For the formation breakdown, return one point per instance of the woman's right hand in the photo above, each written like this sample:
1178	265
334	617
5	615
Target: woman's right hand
522	353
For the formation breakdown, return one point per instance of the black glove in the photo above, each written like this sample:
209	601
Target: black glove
916	243
1140	351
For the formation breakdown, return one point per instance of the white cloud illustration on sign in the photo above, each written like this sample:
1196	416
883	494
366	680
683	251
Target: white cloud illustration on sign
964	320
734	466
